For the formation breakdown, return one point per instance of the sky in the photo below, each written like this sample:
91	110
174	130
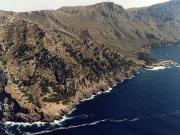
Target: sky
29	5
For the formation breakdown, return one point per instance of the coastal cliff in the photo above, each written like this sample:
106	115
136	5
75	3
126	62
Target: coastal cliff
47	72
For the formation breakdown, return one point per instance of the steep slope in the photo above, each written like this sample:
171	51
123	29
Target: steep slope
124	30
46	72
163	18
106	23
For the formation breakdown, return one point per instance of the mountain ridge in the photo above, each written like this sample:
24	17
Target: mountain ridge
106	26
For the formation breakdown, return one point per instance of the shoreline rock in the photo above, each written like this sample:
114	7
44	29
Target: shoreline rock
160	64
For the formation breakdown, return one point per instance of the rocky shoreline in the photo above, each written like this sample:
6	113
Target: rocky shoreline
164	63
82	95
107	86
90	92
60	110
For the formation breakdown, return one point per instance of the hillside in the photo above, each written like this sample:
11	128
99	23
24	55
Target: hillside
47	71
110	24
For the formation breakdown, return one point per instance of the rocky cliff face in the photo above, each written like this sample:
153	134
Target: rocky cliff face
163	18
47	71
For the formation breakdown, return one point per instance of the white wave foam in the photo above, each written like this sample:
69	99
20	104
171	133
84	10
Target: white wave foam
64	118
118	121
65	128
39	123
104	120
135	119
81	125
108	91
158	68
99	93
59	122
178	66
87	99
130	77
25	124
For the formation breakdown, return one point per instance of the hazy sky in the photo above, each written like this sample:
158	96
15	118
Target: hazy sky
27	5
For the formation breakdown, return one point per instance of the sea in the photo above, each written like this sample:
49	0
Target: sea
147	104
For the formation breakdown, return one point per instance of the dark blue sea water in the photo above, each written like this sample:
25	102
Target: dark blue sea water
148	104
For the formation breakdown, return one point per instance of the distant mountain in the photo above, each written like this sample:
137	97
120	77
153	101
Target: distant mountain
164	18
51	59
105	23
112	25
